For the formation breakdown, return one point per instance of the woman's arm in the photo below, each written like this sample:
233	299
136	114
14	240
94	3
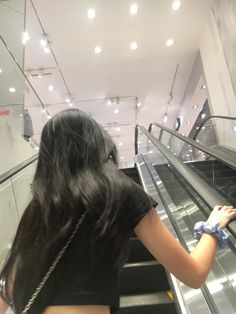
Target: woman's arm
193	268
3	306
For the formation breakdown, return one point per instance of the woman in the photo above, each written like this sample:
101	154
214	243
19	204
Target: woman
77	179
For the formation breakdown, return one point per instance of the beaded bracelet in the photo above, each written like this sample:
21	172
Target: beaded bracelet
203	226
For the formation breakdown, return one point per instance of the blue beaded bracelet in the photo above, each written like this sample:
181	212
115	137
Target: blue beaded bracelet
204	226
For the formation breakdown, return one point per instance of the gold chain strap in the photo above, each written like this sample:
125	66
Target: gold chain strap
52	267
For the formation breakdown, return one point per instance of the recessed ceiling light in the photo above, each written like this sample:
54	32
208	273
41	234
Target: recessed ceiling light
139	104
133	45
67	99
203	115
169	42
0	71
116	111
70	104
108	102
165	119
12	90
122	157
118	129
195	106
120	144
133	9
203	86
176	5
187	155
91	13
25	37
51	88
43	42
49	117
98	50
46	49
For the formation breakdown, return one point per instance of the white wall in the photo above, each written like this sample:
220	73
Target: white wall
13	148
222	99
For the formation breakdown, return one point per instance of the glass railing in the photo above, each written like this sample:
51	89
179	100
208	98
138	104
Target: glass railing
186	207
217	131
217	173
14	196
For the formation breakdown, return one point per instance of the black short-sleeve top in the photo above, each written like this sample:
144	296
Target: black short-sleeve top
83	282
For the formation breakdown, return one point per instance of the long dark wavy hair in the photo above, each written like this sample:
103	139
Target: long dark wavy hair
77	171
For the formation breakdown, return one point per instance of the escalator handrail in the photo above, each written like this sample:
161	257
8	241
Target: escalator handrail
206	192
198	184
208	118
8	174
222	156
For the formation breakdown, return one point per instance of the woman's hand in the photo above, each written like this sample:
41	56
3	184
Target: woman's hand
222	215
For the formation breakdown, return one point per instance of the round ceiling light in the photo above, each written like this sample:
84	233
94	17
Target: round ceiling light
25	37
133	46
176	5
91	13
98	50
51	88
12	90
169	42
133	9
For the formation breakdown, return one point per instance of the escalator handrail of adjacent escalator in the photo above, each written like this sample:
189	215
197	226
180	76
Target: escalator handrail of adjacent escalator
8	174
209	118
222	156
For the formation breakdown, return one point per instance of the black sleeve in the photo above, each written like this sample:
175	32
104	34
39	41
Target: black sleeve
139	205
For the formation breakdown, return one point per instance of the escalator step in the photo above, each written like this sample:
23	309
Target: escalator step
143	277
151	303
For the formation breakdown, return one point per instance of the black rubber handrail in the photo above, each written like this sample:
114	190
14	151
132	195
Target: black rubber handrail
220	155
8	174
208	118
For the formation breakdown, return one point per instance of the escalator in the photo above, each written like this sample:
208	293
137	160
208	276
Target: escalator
190	180
144	285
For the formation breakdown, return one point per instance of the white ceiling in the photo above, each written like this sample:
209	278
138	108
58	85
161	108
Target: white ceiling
118	72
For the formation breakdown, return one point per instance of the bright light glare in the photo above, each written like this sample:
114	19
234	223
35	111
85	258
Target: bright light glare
46	49
51	88
133	8
25	37
91	14
176	5
43	42
98	50
133	45
165	118
116	111
12	90
169	42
